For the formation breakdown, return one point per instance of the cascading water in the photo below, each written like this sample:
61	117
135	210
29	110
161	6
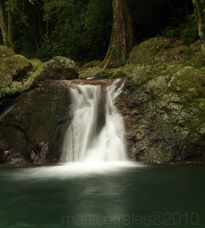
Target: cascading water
96	131
95	136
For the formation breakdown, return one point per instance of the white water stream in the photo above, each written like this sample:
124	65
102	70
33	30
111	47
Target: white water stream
95	139
96	131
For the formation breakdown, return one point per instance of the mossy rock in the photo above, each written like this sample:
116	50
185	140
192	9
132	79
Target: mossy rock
90	72
27	84
5	52
58	68
161	50
198	59
13	68
36	63
175	53
119	74
93	63
105	74
188	80
112	73
34	129
145	52
143	74
22	78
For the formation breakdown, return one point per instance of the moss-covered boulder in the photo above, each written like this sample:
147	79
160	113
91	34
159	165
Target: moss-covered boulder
145	52
93	63
161	50
14	70
163	108
100	73
5	52
32	132
36	63
58	68
12	67
33	129
198	59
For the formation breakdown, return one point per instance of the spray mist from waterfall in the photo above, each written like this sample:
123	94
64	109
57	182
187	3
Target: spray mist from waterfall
96	131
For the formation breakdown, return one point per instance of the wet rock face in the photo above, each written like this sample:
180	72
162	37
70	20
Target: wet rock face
159	123
34	129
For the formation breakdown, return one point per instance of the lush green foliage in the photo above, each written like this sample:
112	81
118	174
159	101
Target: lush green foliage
185	30
81	29
78	29
28	26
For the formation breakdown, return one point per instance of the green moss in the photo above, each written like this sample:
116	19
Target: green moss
161	50
19	87
4	51
145	52
189	81
198	59
13	68
145	73
36	63
106	74
89	72
173	68
93	63
29	81
119	74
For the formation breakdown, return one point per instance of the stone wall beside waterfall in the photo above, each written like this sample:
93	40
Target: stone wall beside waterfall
161	125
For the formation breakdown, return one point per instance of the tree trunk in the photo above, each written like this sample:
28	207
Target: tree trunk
200	24
3	27
10	34
121	40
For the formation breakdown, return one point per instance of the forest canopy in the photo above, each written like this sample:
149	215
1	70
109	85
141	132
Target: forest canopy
81	29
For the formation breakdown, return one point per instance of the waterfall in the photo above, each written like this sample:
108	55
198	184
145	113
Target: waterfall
95	138
96	130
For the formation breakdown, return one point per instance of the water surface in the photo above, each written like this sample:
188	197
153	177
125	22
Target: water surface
133	196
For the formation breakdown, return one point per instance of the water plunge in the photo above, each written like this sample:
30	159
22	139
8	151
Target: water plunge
95	137
96	131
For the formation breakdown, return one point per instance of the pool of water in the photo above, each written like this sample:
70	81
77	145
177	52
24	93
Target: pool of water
129	196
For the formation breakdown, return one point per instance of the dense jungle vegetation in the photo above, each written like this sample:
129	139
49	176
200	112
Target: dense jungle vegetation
81	29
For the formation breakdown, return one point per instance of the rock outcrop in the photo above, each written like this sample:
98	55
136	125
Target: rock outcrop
13	68
33	126
18	74
58	68
163	102
164	115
